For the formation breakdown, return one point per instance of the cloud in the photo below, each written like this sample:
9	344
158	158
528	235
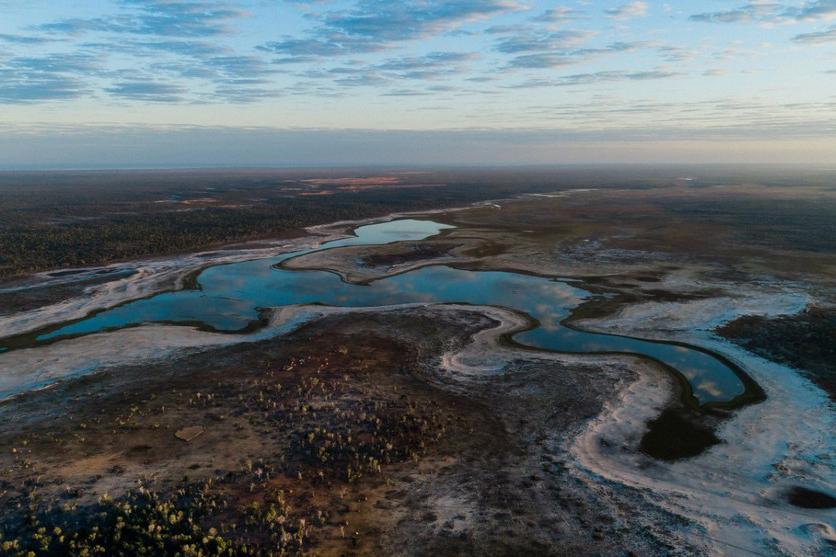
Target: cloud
360	76
50	77
309	49
237	67
374	25
170	18
542	61
16	87
55	63
560	14
241	79
169	39
531	41
599	77
556	57
364	79
432	60
176	51
23	39
744	13
148	91
534	48
194	49
431	66
243	92
631	9
405	93
611	48
814	11
388	20
818	37
766	11
234	78
672	53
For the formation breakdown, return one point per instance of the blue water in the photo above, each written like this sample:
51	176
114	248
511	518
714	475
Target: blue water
230	297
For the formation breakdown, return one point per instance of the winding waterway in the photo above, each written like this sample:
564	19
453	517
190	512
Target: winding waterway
230	297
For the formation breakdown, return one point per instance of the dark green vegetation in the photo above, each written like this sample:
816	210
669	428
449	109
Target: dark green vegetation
69	219
806	342
775	223
143	523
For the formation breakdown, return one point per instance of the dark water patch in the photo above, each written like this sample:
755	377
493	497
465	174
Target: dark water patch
676	434
810	499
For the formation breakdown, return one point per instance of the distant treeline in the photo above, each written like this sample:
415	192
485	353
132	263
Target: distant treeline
52	221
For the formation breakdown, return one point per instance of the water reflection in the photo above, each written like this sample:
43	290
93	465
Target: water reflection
231	296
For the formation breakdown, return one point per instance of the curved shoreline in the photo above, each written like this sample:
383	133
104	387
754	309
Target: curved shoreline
157	275
734	492
751	394
605	450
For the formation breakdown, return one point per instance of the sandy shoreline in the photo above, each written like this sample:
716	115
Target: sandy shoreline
736	491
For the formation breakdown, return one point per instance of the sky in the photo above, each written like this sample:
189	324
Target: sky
154	83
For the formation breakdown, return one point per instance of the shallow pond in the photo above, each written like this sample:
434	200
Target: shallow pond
230	297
